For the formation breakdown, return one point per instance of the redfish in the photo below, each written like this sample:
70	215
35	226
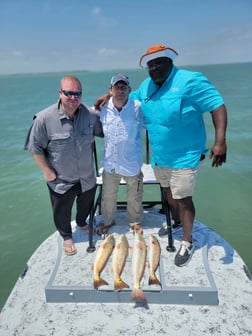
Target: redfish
138	266
119	257
154	258
101	260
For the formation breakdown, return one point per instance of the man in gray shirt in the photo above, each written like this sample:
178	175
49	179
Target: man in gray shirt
61	142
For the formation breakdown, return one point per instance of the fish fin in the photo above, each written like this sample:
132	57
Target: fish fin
99	282
153	280
138	295
120	284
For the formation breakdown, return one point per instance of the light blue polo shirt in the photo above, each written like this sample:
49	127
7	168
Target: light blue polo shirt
174	117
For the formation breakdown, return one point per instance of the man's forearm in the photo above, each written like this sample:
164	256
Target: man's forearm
41	162
219	117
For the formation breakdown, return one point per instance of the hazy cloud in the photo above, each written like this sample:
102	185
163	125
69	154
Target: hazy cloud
107	52
96	11
17	53
102	20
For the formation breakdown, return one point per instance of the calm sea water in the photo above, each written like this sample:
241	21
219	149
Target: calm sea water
222	197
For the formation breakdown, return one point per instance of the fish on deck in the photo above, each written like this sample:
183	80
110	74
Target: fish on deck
138	267
154	258
120	254
101	259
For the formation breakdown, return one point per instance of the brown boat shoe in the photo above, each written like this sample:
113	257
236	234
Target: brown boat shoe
137	228
104	228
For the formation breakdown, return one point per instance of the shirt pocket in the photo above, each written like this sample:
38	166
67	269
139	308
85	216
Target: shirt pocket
171	110
132	130
87	135
60	139
59	146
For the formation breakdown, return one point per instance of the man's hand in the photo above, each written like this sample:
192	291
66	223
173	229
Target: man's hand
49	175
218	153
100	101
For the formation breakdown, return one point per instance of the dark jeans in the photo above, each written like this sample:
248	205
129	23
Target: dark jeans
62	208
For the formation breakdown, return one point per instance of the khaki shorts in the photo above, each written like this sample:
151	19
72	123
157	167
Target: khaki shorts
180	181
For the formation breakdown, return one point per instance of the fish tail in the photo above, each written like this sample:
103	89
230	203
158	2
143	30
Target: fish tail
153	280
99	282
120	284
138	295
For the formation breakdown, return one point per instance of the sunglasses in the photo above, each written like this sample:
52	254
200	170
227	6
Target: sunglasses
75	94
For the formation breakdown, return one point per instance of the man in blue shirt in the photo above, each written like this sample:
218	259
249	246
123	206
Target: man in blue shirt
122	122
173	102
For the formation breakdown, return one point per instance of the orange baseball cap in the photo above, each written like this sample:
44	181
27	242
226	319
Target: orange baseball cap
155	51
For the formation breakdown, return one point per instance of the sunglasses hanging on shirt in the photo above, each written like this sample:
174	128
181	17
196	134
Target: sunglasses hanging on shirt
153	93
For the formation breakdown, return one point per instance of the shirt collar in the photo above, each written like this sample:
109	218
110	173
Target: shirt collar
111	105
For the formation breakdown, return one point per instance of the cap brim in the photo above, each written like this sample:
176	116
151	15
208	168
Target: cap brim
120	80
170	53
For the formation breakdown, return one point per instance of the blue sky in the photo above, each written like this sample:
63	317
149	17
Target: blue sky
53	35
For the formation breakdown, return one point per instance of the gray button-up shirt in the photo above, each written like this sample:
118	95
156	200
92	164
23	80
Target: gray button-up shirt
67	145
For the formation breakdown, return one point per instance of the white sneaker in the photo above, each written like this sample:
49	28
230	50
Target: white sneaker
184	254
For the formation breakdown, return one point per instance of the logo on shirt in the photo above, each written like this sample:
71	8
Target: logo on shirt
175	89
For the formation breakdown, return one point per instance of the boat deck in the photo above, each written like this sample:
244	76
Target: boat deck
177	286
212	295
